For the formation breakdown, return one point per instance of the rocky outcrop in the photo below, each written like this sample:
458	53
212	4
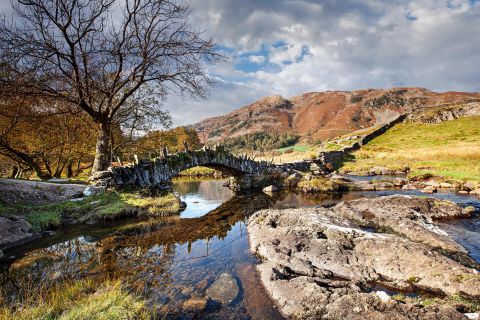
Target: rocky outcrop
14	191
446	112
340	263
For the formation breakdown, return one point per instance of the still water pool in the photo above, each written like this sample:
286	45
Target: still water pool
170	260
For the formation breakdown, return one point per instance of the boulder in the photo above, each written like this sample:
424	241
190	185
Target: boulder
224	290
429	189
328	263
384	186
409	187
475	192
433	184
270	189
92	191
462	192
378	170
400	182
15	231
469	186
446	185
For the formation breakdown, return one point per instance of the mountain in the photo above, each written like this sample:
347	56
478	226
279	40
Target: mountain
316	116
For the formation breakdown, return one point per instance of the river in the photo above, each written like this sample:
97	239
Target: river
170	260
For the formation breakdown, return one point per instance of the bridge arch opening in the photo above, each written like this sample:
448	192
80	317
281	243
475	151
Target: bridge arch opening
210	170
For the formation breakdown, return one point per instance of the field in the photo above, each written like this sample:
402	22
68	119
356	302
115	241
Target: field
449	149
288	154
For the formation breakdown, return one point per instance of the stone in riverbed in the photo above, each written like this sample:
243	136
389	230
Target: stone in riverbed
270	189
400	182
446	185
429	189
195	304
409	187
224	290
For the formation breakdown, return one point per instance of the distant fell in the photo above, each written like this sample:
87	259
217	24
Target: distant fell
317	116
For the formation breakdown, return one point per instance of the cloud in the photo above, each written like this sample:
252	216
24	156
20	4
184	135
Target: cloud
311	45
257	59
289	47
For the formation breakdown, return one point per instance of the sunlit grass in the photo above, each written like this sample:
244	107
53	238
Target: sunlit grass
198	171
108	206
80	300
449	149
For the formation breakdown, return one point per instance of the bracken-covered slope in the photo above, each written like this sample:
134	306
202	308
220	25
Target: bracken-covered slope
323	115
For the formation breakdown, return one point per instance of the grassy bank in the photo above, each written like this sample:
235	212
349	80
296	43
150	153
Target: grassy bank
200	172
82	299
108	206
450	149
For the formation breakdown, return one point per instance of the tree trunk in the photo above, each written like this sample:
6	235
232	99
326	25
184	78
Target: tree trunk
102	152
14	172
70	169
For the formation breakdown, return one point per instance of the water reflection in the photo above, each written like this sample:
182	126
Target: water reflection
201	196
170	260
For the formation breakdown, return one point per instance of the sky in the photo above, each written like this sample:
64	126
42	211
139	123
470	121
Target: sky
289	47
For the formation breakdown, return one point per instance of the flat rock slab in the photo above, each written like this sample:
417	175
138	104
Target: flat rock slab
14	231
225	289
329	263
14	191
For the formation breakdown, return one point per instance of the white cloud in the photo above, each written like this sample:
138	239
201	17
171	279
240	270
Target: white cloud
257	59
352	44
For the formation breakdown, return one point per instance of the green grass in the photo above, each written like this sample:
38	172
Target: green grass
450	149
199	172
79	300
108	206
297	148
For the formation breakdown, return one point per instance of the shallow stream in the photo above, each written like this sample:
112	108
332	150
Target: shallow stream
170	260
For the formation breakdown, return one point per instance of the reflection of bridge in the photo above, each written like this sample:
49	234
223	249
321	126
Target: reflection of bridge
160	171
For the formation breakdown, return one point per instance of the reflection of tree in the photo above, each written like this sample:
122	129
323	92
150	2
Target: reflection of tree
216	223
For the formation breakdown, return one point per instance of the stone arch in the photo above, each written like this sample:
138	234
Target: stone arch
160	171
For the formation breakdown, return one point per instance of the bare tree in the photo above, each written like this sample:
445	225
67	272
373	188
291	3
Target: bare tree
97	54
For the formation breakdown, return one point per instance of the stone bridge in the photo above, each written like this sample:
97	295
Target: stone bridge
160	171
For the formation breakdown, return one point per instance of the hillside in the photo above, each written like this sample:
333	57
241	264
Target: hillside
317	116
449	149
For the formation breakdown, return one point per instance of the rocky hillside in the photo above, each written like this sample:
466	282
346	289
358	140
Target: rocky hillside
323	115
